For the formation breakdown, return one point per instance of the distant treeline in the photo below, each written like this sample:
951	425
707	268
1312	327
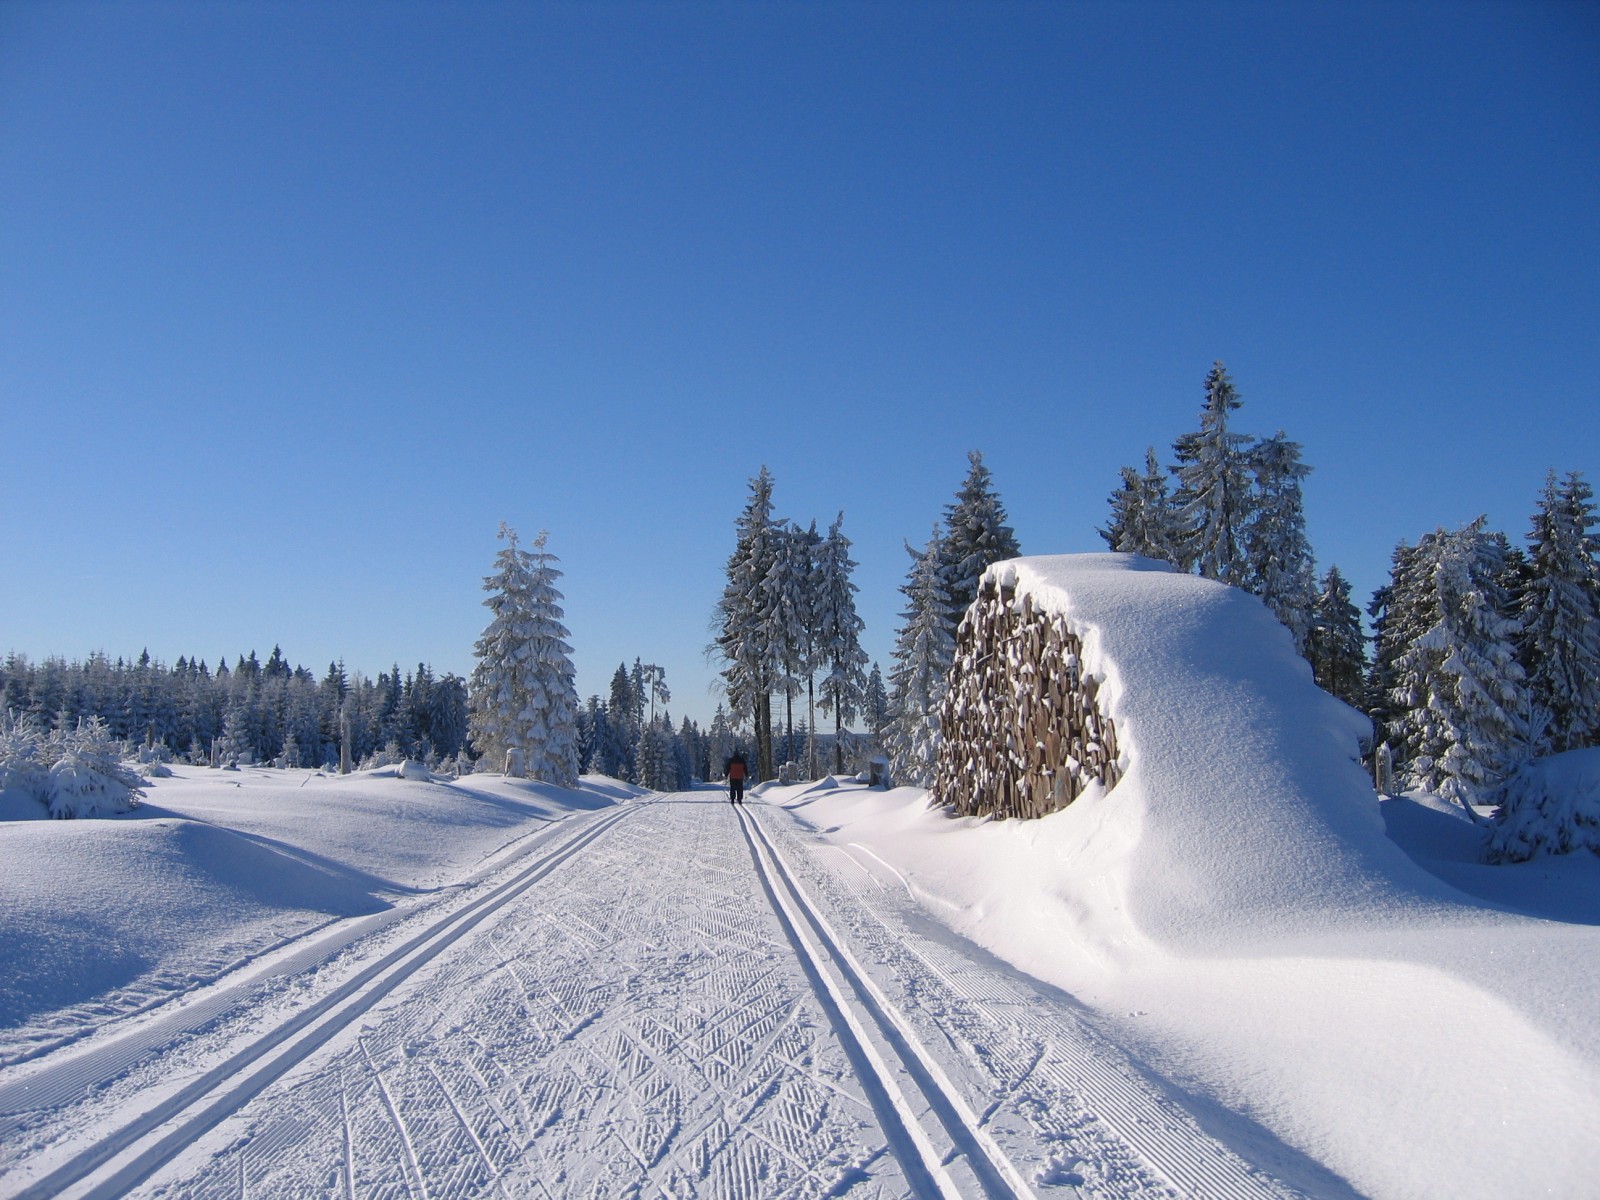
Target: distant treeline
254	711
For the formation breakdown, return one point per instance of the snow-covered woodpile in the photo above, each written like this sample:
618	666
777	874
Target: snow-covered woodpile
1022	732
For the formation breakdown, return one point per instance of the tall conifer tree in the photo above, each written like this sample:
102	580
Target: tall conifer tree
1213	499
1560	610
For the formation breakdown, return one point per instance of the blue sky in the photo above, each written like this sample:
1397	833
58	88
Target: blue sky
298	302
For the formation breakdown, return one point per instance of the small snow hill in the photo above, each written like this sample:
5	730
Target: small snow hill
1243	808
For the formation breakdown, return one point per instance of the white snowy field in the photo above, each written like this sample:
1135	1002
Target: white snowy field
1235	974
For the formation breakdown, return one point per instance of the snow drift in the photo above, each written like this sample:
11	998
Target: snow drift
1243	802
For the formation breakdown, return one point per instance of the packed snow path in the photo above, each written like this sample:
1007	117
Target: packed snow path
669	998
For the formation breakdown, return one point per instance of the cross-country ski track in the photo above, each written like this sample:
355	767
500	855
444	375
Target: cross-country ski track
669	997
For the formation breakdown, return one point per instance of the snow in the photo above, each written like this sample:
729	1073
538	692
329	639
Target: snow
1235	973
1239	896
215	869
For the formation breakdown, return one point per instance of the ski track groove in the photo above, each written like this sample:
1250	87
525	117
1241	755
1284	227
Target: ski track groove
171	1124
1125	1138
696	1004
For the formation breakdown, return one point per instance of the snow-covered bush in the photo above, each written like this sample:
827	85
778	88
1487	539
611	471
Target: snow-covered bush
74	773
88	778
23	765
1549	806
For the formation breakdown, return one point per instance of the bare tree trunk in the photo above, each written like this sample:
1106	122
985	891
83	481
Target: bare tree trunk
764	736
811	726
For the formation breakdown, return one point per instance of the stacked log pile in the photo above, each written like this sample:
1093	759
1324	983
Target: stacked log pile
1022	734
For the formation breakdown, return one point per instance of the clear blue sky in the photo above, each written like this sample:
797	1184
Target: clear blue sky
299	301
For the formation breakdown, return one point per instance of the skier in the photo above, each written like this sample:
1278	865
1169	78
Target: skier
735	770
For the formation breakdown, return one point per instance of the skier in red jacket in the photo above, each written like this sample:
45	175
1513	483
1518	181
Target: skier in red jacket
736	771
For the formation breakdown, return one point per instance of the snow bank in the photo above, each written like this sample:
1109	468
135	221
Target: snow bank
216	868
1236	910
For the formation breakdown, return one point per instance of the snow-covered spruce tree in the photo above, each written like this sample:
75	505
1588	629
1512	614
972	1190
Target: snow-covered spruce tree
923	651
839	636
1560	613
877	704
1282	570
623	713
657	770
744	615
1399	615
1336	646
975	536
524	701
1142	516
790	624
1213	501
1464	700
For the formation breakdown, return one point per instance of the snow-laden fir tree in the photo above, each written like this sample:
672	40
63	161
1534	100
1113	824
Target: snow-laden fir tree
524	700
1282	571
744	619
1399	611
1560	613
1213	501
1336	646
975	536
617	754
923	651
657	770
1142	515
791	619
1463	697
877	704
839	636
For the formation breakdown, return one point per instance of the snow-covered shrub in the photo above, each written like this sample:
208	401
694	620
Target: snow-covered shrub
412	769
1549	806
88	778
24	766
74	773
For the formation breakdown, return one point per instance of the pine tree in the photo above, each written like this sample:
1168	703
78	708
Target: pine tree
524	702
790	618
744	619
1336	645
1560	613
1142	515
1464	700
923	651
839	636
1281	569
1213	498
877	704
975	536
1399	618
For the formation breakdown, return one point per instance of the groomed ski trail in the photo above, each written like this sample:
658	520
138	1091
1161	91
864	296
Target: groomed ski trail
674	997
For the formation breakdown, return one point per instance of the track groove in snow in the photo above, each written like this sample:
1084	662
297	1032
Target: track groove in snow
139	1147
677	998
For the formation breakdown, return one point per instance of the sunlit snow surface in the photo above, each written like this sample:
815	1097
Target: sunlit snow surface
1236	973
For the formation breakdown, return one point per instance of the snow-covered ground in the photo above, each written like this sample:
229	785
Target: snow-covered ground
1235	974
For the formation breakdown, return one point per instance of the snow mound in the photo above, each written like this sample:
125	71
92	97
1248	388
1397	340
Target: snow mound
1243	804
154	906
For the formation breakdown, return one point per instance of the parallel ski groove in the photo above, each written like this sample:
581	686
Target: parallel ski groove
828	957
1021	1041
205	1101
